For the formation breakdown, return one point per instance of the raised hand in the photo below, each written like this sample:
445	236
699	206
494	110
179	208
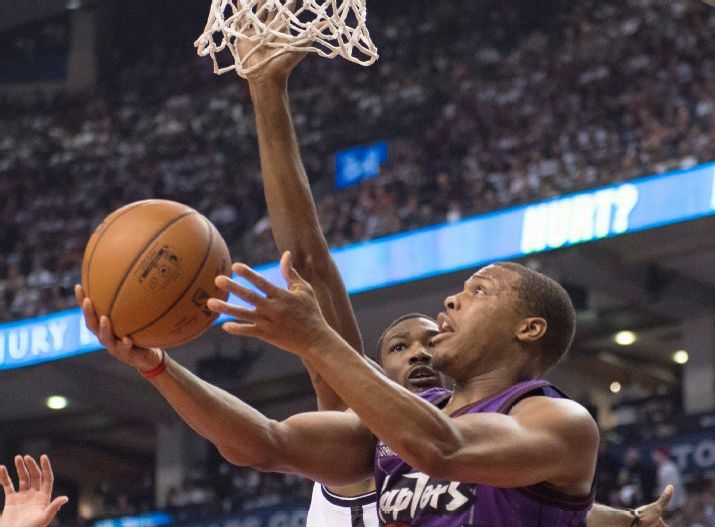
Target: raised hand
651	515
280	62
124	350
29	505
287	318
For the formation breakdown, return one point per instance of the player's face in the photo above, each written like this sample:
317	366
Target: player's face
479	323
406	354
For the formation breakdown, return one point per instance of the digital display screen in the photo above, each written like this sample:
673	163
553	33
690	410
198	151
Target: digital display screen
583	217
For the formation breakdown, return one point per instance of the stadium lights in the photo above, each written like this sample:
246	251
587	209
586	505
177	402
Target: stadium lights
625	338
615	387
57	402
680	357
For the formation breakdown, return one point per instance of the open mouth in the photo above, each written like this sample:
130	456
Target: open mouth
423	376
444	323
445	326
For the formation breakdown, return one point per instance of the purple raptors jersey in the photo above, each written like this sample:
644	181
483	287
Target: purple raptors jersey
407	498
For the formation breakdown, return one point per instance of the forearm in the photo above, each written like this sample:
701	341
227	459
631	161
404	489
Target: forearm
390	411
604	516
241	433
294	219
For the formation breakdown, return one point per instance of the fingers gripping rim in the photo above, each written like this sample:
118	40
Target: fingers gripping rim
329	28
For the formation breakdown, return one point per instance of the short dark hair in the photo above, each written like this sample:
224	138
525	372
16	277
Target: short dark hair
544	297
398	320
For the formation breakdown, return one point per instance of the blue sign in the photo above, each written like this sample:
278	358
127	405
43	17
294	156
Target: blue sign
150	519
50	337
358	164
629	207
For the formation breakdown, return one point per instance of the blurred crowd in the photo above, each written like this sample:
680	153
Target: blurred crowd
638	457
205	493
627	478
631	479
482	109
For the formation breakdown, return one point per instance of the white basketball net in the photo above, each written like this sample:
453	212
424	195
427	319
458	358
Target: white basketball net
326	27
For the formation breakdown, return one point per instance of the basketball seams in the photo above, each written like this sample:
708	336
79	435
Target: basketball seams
198	272
96	242
140	254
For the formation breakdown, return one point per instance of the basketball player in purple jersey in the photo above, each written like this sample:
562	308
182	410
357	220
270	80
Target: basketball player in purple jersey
403	349
458	470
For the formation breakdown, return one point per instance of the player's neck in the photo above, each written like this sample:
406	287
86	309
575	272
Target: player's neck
482	386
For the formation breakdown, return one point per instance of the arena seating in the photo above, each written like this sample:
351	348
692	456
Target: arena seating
606	91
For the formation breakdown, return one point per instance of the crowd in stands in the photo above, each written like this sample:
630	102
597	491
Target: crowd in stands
223	490
633	470
627	478
482	109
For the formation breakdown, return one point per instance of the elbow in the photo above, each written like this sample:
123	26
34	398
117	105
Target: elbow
436	464
434	458
241	458
312	262
262	455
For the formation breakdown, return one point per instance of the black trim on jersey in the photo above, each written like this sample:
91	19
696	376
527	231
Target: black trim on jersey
349	502
356	516
550	495
529	391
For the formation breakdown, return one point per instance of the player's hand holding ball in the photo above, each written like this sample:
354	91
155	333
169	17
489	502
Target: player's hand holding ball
287	318
124	350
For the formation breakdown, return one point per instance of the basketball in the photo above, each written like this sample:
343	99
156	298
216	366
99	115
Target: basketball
150	267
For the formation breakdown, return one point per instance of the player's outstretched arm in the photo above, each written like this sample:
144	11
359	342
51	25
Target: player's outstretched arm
541	440
650	515
330	447
31	504
292	212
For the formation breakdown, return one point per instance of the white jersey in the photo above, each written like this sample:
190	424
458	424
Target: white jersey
330	510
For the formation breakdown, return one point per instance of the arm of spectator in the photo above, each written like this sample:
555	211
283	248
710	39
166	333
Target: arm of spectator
29	505
292	212
334	448
650	515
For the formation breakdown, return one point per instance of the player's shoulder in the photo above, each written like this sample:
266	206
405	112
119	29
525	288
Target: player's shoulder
562	414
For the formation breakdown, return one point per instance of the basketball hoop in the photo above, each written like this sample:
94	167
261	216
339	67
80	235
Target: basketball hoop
326	27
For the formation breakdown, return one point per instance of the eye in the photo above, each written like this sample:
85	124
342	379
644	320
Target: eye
479	290
398	347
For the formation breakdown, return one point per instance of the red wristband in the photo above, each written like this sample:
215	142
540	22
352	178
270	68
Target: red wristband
155	372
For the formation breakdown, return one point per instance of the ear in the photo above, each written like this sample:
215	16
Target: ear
531	330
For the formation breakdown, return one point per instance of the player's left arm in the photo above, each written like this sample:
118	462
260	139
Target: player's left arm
542	439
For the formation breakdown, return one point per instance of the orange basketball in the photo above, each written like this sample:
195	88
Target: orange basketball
150	267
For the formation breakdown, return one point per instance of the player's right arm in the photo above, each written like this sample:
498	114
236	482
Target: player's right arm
334	448
292	212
